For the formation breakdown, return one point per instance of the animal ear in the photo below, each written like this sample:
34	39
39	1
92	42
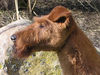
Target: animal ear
35	18
59	14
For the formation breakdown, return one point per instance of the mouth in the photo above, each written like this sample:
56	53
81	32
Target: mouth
22	53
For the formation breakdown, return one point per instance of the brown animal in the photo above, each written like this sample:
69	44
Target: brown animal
58	32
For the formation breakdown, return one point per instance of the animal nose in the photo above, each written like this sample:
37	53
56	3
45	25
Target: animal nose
13	37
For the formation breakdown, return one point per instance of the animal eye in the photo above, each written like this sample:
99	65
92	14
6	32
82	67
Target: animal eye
41	26
13	37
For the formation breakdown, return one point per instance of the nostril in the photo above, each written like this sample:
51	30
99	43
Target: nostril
13	37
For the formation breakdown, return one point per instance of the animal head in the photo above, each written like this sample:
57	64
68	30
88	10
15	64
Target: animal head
48	32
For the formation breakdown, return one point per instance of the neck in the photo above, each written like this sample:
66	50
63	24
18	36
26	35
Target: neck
78	56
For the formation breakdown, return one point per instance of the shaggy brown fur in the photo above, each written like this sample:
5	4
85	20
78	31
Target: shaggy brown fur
58	32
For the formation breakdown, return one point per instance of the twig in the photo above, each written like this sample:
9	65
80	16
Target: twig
34	4
35	1
35	13
29	6
82	4
94	7
11	17
16	6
